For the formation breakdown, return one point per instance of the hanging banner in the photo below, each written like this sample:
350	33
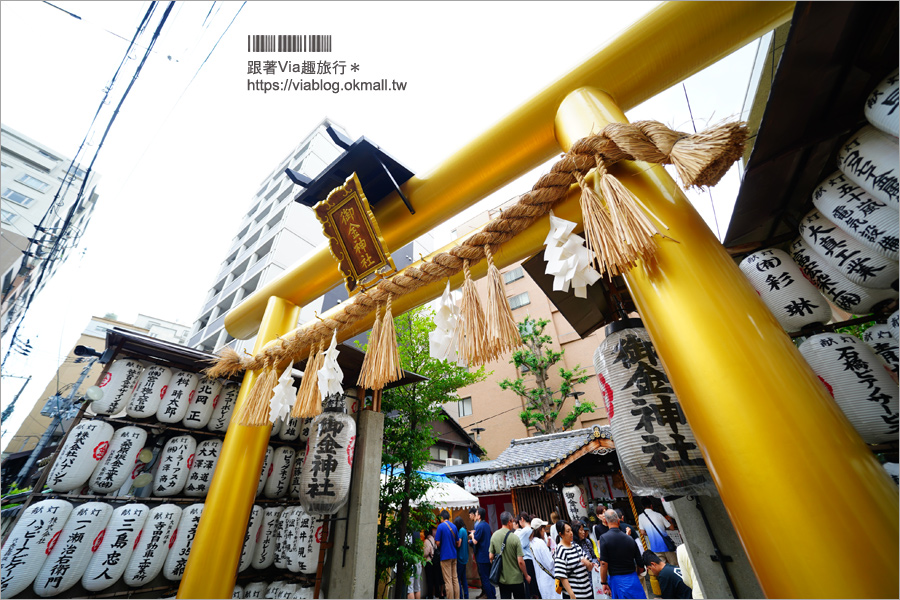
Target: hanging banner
355	238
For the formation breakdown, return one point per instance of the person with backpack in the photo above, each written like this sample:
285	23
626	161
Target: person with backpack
481	539
507	548
447	538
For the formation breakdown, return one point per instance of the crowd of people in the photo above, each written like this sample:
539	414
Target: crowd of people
600	557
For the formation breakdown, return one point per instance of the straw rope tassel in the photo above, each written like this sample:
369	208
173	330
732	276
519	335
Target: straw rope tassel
631	225
702	159
314	397
598	229
366	372
386	366
255	411
503	334
227	364
302	407
473	341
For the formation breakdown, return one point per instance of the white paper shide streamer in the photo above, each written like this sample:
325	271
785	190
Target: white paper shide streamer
85	447
285	393
568	260
221	414
176	559
330	375
152	547
117	386
114	470
442	342
176	460
201	473
72	552
109	561
278	483
205	400
27	547
175	402
264	551
151	388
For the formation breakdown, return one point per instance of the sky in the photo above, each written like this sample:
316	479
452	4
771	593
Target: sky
192	144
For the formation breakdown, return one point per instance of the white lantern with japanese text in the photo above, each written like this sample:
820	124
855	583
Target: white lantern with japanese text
257	589
278	483
85	447
274	589
238	592
253	525
264	551
654	443
221	414
858	382
175	462
869	221
296	476
290	431
305	428
109	561
327	468
276	428
287	591
205	460
29	544
881	340
115	469
176	559
70	556
842	292
869	159
792	300
205	400
285	536
117	385
310	530
149	392
175	402
576	501
267	469
881	105
894	324
152	547
856	262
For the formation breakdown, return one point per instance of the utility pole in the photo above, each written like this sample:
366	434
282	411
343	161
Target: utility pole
7	412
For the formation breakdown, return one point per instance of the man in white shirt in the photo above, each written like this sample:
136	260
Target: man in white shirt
524	533
654	525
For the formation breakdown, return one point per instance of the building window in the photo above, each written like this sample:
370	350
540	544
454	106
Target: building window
510	276
519	300
47	155
18	198
33	182
464	406
439	453
5	170
8	217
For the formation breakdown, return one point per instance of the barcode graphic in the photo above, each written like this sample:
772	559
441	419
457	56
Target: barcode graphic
288	43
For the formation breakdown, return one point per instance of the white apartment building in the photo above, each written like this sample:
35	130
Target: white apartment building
167	331
276	233
32	175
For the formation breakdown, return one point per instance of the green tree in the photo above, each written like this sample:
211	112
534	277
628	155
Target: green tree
543	404
409	412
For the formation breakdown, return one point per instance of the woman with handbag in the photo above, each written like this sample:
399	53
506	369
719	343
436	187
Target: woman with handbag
571	566
543	562
654	525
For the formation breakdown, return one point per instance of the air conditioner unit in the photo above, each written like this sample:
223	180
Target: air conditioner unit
452	462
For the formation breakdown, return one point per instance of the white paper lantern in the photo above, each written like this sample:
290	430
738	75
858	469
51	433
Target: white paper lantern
869	159
153	545
276	428
310	530
851	259
284	536
858	382
115	468
175	462
31	540
845	294
881	340
576	501
117	386
290	431
872	223
267	469
85	447
201	407
654	443
894	324
176	559
174	405
329	461
274	588
287	591
305	429
264	551
881	106
149	392
109	561
792	300
221	414
249	546
297	475
256	589
72	552
238	592
201	474
278	483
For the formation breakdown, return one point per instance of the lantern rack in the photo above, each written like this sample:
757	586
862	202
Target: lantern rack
814	329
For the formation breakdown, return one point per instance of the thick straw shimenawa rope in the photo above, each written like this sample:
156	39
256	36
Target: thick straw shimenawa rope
699	159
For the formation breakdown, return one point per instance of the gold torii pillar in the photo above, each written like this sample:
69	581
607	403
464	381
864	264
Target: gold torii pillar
770	433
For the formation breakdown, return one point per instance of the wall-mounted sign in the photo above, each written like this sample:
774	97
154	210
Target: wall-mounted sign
355	239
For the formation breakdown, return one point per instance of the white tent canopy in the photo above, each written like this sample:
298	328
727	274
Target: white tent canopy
444	493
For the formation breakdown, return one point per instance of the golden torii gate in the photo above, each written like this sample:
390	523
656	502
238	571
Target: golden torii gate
768	430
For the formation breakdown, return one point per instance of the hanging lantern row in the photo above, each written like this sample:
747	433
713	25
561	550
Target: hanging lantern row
501	480
656	448
288	538
880	338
